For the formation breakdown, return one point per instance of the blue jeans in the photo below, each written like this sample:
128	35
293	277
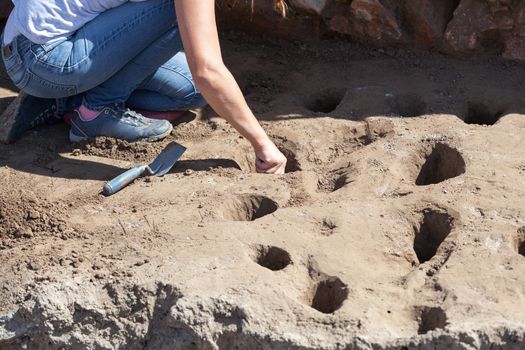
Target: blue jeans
131	54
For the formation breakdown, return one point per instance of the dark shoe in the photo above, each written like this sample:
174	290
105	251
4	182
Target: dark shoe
121	123
24	113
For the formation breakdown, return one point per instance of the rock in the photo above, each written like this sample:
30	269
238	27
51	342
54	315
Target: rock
427	20
493	25
76	152
375	24
514	46
315	7
452	26
339	24
33	215
472	21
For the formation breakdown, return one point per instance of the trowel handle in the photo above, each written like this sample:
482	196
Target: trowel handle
123	180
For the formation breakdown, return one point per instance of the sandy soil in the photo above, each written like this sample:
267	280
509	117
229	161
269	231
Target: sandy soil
399	224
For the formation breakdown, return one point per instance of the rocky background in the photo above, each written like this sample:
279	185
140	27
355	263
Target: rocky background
456	27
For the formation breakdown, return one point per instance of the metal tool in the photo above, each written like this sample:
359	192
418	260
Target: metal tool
160	166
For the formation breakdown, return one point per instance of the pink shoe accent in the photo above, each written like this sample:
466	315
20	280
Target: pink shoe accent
170	116
87	114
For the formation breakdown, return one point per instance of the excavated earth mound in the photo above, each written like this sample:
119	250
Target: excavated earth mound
400	223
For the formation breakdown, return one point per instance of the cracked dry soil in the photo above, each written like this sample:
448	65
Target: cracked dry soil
400	223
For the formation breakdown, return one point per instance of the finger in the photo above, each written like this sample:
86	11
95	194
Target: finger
282	169
263	168
273	170
262	165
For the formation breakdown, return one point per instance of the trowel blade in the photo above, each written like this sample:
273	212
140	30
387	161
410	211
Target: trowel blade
167	158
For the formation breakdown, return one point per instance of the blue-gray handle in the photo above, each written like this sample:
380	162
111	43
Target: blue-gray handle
123	180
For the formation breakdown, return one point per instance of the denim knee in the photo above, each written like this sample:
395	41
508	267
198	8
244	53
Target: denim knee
197	101
188	96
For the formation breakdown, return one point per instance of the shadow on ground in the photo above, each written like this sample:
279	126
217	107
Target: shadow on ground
294	81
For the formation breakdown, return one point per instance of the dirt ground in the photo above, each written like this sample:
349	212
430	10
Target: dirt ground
399	224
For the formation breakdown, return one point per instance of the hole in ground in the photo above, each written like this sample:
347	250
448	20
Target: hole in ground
481	114
205	164
329	295
332	184
434	227
248	208
289	150
273	258
443	163
431	318
292	164
325	101
337	179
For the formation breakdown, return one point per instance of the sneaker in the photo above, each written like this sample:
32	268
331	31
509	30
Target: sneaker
170	116
121	123
24	113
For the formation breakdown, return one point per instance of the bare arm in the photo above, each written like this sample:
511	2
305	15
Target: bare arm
196	19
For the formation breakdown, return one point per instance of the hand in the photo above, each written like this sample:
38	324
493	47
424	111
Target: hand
269	160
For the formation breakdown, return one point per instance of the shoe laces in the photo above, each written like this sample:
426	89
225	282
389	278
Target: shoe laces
127	115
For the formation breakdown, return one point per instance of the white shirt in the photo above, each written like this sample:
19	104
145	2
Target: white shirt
44	21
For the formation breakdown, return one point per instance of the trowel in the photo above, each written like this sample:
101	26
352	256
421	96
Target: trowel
159	167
